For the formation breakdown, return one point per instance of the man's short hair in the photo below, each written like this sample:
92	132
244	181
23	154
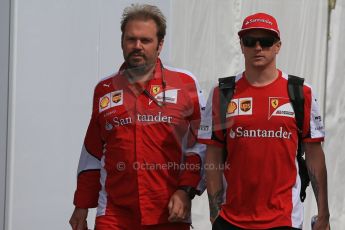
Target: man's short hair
145	12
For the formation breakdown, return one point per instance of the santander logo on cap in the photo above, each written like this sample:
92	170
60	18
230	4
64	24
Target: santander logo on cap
253	20
260	21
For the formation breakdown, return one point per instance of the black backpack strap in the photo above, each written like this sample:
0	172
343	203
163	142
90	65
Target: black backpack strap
295	89
226	91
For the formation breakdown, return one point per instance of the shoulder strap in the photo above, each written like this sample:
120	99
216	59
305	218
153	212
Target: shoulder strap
295	90
226	91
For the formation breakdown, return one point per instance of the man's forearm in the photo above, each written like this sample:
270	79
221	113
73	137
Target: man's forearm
214	178
317	171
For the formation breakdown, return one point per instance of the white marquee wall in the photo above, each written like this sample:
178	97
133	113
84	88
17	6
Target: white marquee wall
335	117
60	49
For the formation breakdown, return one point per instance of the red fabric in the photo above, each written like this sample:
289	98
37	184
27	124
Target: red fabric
141	145
190	171
114	223
260	21
88	186
261	142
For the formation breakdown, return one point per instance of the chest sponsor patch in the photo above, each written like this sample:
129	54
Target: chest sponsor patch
241	132
232	107
104	103
170	95
240	106
246	106
110	100
280	106
155	89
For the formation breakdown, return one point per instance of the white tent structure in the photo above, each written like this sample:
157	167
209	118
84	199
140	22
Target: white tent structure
52	54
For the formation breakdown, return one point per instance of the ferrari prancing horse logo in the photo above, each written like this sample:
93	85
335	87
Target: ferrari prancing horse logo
275	103
155	89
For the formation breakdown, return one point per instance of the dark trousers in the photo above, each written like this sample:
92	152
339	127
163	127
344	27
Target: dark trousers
221	224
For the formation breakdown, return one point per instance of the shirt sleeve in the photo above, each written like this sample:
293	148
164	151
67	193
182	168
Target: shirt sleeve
88	179
211	132
194	153
313	128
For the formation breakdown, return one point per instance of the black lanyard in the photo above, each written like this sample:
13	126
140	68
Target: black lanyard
147	93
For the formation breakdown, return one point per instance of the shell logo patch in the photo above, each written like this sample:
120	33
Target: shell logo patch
116	100
104	102
240	106
280	106
232	107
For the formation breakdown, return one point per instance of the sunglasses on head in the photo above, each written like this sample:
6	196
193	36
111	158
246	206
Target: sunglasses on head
264	42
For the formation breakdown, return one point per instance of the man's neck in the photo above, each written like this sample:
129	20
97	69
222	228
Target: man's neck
261	76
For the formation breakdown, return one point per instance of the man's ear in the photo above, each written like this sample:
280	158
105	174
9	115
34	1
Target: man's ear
160	46
278	46
241	44
122	41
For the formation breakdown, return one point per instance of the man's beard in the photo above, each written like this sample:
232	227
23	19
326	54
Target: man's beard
137	69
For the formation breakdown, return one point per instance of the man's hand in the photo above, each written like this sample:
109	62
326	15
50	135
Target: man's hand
322	223
78	219
179	206
215	202
213	219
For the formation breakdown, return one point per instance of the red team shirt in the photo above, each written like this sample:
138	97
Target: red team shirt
130	162
263	185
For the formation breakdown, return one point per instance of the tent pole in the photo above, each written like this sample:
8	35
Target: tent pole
331	6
